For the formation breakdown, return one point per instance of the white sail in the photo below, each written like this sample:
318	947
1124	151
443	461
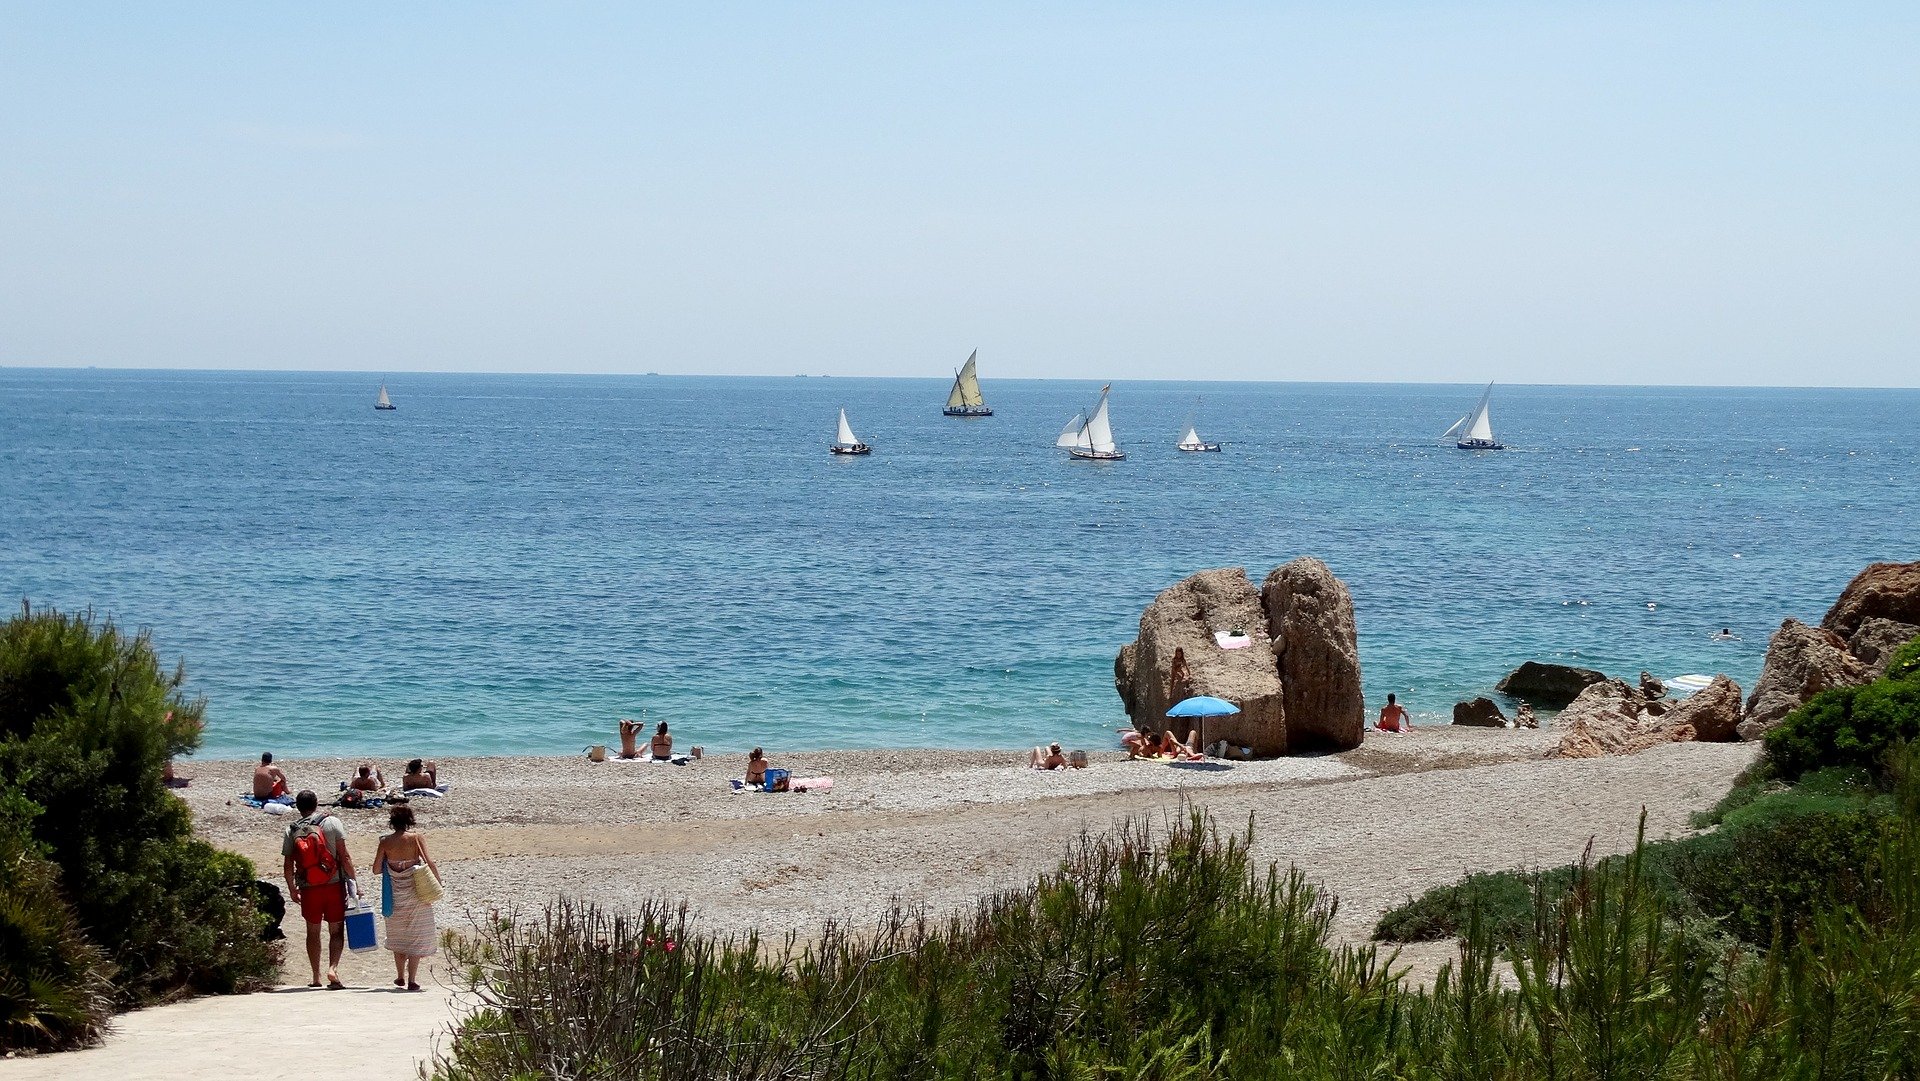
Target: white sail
1191	439
967	383
1074	434
1099	433
1480	427
1457	425
955	399
384	400
846	437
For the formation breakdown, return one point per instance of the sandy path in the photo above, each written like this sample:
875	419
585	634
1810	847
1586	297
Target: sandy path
936	829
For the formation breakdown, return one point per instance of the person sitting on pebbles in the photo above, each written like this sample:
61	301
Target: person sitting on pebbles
1048	757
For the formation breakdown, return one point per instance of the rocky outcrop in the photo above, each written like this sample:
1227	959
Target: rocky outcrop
1315	649
1297	683
1801	662
1176	657
1550	686
1611	717
1873	645
1652	687
1524	717
1481	712
1883	590
1712	711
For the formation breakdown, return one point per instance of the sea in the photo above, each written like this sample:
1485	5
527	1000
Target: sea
508	564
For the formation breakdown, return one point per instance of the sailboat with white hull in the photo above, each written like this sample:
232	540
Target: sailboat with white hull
965	400
845	442
1475	429
1091	440
1192	442
384	402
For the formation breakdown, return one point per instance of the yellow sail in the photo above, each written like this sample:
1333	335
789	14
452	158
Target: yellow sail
966	386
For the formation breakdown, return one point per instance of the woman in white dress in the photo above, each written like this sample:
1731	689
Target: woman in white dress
410	930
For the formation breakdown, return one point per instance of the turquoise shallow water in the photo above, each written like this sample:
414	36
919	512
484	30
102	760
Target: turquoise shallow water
510	563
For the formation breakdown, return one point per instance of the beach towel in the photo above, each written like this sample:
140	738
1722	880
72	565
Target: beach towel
250	800
426	793
811	784
1229	640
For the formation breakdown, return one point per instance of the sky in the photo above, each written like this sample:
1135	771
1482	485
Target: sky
1638	193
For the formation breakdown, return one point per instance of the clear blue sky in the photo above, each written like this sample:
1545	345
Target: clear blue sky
1594	192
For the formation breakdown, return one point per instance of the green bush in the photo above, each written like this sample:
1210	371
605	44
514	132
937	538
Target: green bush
88	720
1851	726
54	987
1503	902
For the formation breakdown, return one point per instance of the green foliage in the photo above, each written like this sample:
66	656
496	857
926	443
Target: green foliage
1503	902
88	720
1851	726
54	988
1174	956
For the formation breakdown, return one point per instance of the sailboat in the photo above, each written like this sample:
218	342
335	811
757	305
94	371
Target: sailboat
846	442
965	400
1091	440
384	402
1192	441
1474	429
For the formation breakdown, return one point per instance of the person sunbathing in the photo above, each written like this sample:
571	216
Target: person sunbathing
630	737
662	744
420	775
368	779
756	768
1048	757
269	780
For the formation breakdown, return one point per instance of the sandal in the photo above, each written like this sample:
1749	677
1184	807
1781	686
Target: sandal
335	984
413	987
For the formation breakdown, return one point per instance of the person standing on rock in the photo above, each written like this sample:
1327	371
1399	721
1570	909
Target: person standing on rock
1393	718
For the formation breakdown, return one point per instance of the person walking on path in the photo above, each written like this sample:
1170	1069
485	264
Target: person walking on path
317	866
403	858
1393	718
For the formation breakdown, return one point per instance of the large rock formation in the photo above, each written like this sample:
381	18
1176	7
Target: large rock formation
1315	648
1297	682
1612	717
1887	590
1481	712
1873	645
1801	662
1550	686
1712	711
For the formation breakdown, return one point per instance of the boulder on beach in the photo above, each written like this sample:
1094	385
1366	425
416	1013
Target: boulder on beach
1551	686
1611	718
1480	712
1801	662
1524	717
1652	687
1712	711
1317	653
1297	682
1883	590
1873	645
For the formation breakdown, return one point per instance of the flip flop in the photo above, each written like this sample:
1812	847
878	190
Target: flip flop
315	983
336	985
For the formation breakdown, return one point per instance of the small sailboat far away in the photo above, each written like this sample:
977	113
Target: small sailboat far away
965	400
1192	441
384	402
846	442
1091	440
1474	429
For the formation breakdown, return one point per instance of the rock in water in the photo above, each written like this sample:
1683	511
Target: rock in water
1181	622
1310	617
1552	686
1874	643
1612	718
1712	711
1481	712
1801	662
1297	686
1887	590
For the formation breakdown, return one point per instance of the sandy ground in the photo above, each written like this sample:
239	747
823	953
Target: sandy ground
931	828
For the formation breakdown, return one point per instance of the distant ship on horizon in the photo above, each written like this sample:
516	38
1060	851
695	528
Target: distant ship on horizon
384	402
1091	440
1476	426
965	400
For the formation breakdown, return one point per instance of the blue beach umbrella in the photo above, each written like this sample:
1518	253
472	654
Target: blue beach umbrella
1203	706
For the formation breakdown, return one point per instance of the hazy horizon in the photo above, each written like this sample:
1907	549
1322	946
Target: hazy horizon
1637	195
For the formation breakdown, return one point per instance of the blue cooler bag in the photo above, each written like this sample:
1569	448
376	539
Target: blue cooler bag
776	780
361	935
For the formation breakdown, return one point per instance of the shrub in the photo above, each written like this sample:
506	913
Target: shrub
88	720
1502	901
1851	726
54	988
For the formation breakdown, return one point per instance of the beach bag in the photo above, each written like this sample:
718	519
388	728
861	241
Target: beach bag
426	886
312	855
386	893
777	780
361	933
1078	760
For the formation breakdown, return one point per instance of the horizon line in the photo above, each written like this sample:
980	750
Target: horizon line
393	372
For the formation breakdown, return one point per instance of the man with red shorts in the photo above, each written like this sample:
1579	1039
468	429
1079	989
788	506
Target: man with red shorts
1393	718
318	867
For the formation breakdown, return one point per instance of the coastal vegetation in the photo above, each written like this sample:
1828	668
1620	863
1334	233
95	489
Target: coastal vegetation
107	901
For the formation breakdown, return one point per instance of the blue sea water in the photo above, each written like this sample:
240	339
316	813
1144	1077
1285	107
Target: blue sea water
510	563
